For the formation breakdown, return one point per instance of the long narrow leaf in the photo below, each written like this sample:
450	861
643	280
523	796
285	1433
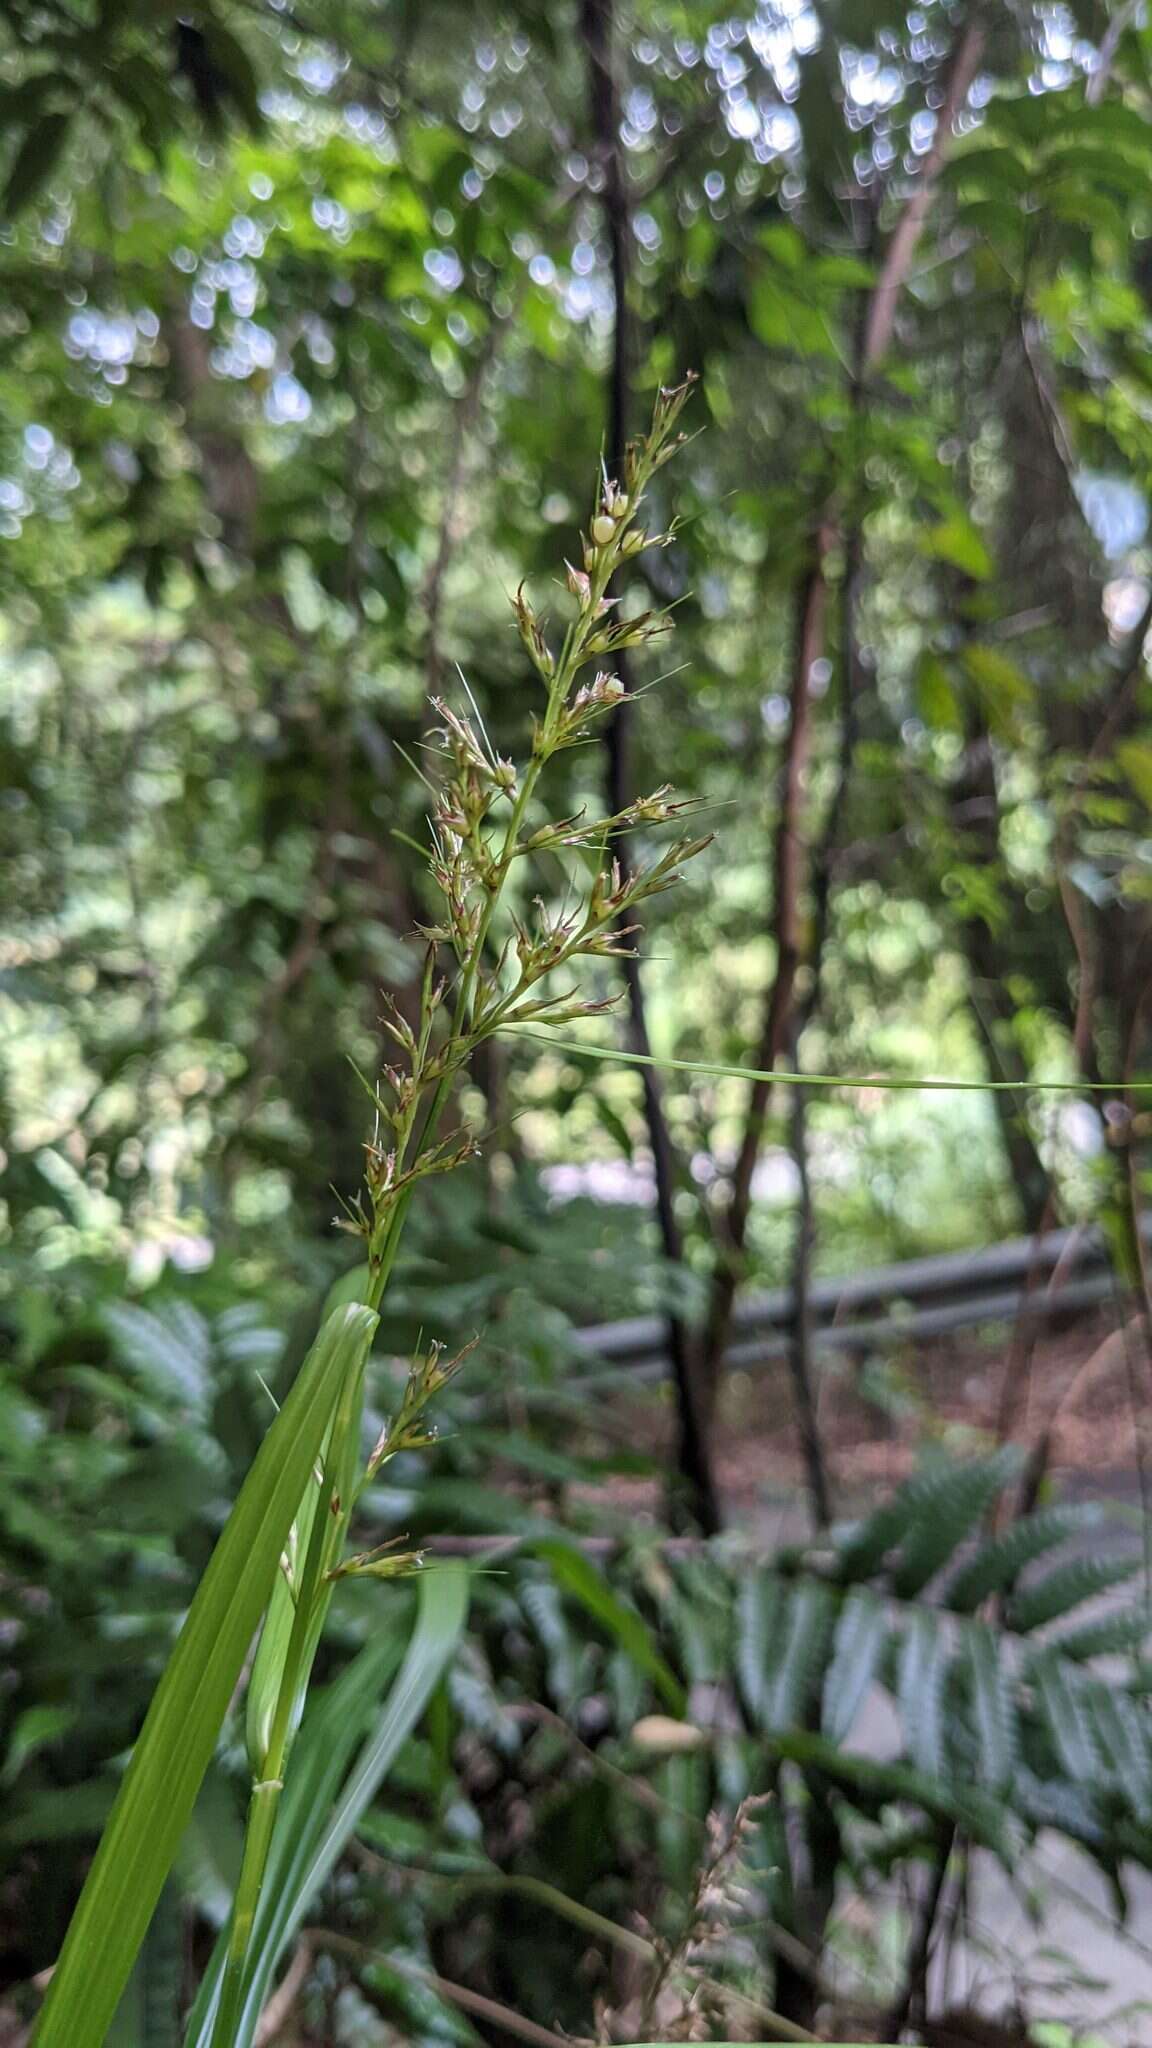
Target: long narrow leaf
1066	1587
993	1706
802	1653
997	1564
759	1608
861	1634
580	1577
179	1734
922	1666
291	1888
902	1083
321	1758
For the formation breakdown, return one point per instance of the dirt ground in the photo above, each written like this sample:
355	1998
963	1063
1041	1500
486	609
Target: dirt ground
1080	1386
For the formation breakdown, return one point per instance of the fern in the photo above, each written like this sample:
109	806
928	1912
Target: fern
1066	1587
993	1706
872	1786
170	1351
997	1565
946	1511
1054	1803
1109	1636
861	1635
806	1636
701	1612
544	1608
861	1554
922	1665
1122	1743
1064	1711
925	1521
759	1608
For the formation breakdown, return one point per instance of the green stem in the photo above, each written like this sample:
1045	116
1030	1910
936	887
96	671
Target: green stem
311	1602
263	1807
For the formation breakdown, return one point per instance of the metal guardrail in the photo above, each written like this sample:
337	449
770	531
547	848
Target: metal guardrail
1042	1278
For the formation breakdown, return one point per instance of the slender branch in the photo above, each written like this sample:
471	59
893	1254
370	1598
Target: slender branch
466	414
475	2002
1123	19
964	61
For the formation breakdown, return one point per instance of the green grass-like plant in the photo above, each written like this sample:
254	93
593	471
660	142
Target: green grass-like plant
287	1540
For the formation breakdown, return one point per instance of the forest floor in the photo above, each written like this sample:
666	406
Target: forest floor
1077	1387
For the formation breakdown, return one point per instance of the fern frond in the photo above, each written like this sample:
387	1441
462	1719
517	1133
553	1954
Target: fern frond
1110	1635
1066	1587
1054	1803
1123	1741
861	1634
947	1511
997	1565
872	1786
993	1705
803	1653
759	1613
923	1661
1063	1709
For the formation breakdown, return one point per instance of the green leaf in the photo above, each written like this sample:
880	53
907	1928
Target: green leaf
922	1664
169	1350
861	1634
1068	1586
998	1563
936	695
958	542
179	1734
946	1506
1003	689
36	1728
311	1834
881	1784
996	171
1122	1741
334	1724
1059	1696
759	1610
802	1653
580	1577
993	1705
1109	1635
1134	757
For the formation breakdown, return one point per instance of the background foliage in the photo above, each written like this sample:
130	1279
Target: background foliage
314	324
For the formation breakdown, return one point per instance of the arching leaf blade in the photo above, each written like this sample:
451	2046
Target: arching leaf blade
179	1734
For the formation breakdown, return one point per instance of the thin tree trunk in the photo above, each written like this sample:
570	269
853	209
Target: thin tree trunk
695	1484
789	865
800	1360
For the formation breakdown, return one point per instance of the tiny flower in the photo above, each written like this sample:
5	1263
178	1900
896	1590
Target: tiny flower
578	582
603	530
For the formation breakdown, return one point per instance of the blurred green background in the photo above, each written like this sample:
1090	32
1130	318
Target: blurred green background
316	323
